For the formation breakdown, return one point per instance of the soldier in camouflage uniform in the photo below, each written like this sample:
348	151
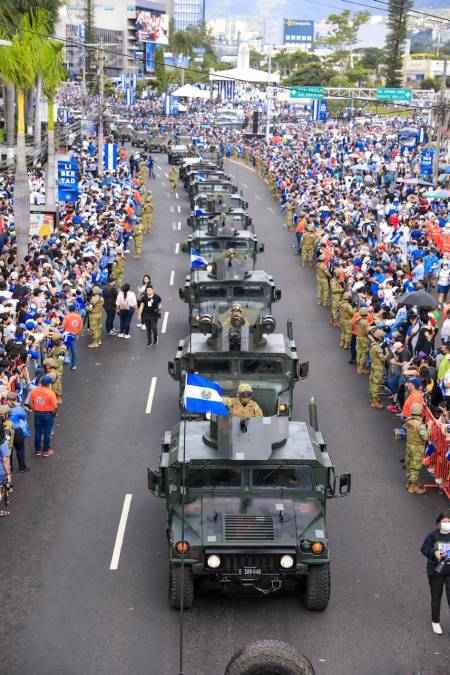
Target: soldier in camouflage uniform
58	354
377	368
346	312
308	244
173	178
290	210
50	369
242	405
147	213
119	267
362	342
138	235
416	439
337	290
322	277
94	310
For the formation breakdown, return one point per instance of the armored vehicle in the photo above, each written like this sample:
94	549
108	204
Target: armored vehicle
210	175
219	203
218	238
177	152
246	504
221	186
236	218
232	351
230	281
192	165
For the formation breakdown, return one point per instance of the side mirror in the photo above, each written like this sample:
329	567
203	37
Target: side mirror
185	246
277	294
303	370
153	478
345	484
181	293
261	248
171	369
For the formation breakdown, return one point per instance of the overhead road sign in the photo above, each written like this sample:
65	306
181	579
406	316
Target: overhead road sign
394	94
307	92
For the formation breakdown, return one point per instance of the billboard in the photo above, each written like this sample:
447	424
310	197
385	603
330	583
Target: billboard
152	27
298	32
42	223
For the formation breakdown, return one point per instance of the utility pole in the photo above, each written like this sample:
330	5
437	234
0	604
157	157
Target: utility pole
101	92
268	96
442	118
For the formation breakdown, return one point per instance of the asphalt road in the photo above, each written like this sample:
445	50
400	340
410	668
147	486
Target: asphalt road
65	612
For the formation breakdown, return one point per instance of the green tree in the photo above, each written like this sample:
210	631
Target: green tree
312	75
371	57
255	59
343	34
160	71
395	40
90	58
430	83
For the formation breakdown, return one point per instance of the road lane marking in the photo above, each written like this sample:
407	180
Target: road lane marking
166	174
244	185
164	323
176	195
174	225
168	194
172	277
271	209
120	532
177	247
257	197
179	225
179	208
151	394
172	210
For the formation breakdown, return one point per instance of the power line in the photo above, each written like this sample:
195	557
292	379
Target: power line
409	11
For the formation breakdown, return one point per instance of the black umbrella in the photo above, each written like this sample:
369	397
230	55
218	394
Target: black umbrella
417	299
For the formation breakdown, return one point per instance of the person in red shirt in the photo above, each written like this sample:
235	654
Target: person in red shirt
414	396
44	403
73	324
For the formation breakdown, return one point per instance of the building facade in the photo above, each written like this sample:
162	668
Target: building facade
186	13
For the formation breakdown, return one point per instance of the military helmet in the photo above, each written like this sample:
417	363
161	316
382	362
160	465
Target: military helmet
416	409
236	308
231	252
346	296
337	273
56	337
5	409
245	388
378	334
49	362
364	311
96	290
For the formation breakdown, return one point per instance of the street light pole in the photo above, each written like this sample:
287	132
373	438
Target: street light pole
101	91
268	96
442	117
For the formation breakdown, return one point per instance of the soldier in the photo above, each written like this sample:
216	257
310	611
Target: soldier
290	210
119	266
242	405
337	290
229	255
58	354
50	369
173	178
308	245
148	213
377	368
94	309
346	312
322	277
416	439
138	235
362	341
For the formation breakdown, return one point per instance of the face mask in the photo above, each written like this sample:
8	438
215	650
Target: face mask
445	527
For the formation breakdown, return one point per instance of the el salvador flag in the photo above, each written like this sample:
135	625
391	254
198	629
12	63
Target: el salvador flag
201	177
197	260
198	212
431	448
203	396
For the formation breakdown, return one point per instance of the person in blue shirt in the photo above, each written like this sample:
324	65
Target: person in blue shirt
376	279
431	262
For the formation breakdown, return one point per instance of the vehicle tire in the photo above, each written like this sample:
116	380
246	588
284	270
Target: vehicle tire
175	578
317	591
269	657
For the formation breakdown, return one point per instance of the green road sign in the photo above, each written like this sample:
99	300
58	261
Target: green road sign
306	92
394	95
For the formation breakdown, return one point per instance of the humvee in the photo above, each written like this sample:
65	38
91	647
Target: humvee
192	165
251	352
176	153
214	205
246	507
218	237
236	218
221	186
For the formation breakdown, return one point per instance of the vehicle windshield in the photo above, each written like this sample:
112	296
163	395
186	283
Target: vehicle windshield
262	366
298	477
212	292
241	244
214	478
212	365
248	291
209	246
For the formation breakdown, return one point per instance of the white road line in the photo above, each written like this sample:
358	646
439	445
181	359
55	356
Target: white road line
172	277
120	532
168	194
243	185
177	247
271	209
179	208
172	209
257	197
151	394
176	195
164	323
174	225
166	174
179	225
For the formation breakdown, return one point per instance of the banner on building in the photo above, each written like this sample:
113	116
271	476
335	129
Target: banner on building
426	162
67	181
298	32
42	224
319	110
152	27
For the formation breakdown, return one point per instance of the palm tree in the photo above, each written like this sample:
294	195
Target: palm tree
53	72
18	68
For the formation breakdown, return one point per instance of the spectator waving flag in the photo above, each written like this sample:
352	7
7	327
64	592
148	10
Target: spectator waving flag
430	449
197	260
203	396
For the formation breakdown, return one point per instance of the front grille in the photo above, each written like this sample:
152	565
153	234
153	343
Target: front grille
234	564
251	528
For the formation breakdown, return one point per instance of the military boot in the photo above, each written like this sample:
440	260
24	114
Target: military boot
342	344
376	403
416	489
364	371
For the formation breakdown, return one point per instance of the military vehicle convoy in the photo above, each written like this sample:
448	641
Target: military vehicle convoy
246	495
207	206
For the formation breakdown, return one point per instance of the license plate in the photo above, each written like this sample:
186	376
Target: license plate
250	571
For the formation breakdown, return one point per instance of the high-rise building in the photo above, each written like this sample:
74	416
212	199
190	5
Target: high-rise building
186	13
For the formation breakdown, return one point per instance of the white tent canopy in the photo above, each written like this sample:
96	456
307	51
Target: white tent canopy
189	91
244	75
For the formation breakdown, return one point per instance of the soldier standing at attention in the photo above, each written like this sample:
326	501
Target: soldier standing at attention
416	439
377	368
322	277
362	342
138	235
346	312
58	354
242	405
290	209
119	266
173	178
94	309
308	245
336	294
148	212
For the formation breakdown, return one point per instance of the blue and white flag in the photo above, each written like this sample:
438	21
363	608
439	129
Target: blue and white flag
130	98
197	260
430	449
203	396
201	177
198	212
110	156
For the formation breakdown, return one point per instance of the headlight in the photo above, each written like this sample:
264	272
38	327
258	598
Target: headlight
197	317
213	561
286	562
182	547
283	408
317	547
209	268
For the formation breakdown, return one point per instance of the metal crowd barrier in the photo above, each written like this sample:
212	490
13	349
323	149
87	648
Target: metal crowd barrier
438	463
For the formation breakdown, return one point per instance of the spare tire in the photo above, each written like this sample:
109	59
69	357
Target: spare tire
269	657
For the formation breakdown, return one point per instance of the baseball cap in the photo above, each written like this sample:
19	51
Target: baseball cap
415	381
397	345
46	380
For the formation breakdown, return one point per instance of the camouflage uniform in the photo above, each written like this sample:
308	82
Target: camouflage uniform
336	295
138	235
416	439
119	268
147	214
362	344
58	354
322	277
173	178
290	210
308	245
377	367
346	312
94	310
237	409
